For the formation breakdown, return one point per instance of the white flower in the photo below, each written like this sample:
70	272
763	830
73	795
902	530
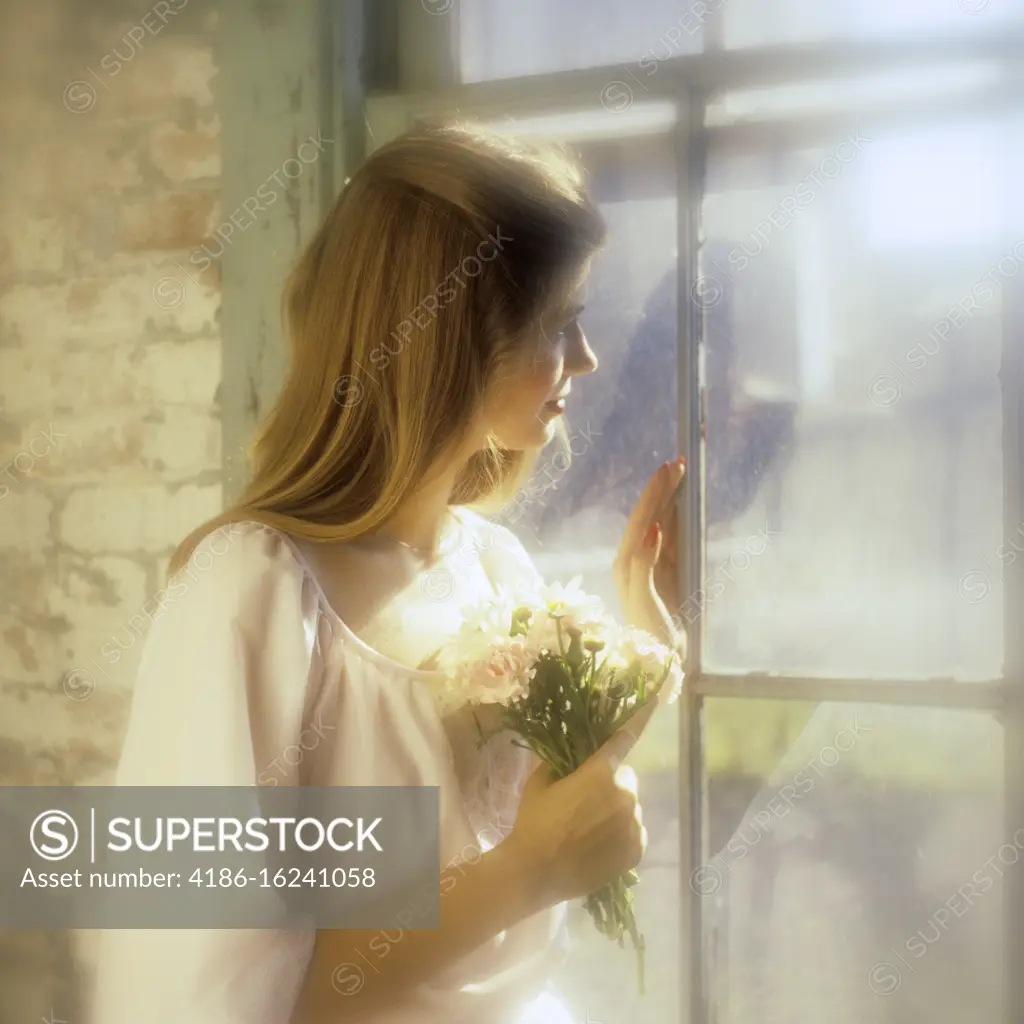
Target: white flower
576	607
637	645
631	647
561	607
492	616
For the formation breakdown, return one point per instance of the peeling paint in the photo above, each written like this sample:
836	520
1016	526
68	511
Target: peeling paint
16	638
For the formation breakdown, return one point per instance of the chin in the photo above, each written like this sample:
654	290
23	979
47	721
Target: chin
535	434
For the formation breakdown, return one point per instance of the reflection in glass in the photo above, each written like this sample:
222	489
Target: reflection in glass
856	864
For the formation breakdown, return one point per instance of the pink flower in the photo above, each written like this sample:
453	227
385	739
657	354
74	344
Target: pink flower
500	676
487	665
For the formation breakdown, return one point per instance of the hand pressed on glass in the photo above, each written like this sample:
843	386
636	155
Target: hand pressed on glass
646	566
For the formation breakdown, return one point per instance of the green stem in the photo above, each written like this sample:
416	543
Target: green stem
613	911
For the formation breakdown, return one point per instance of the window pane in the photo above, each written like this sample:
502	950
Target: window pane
851	94
620	421
773	22
504	39
856	296
529	37
856	864
621	424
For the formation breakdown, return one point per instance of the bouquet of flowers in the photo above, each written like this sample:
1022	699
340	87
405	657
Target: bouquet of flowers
567	677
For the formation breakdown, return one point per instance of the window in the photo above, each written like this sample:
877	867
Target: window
813	289
860	310
502	39
860	863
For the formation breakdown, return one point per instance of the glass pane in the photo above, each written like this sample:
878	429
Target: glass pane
500	39
856	864
955	81
773	22
856	297
629	157
572	519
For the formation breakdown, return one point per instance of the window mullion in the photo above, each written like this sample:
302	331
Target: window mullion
990	695
430	68
690	159
1012	376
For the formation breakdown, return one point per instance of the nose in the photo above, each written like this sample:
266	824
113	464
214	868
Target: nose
580	358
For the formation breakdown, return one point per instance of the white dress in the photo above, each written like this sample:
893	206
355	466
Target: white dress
250	660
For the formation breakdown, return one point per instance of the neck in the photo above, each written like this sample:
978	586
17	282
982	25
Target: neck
421	520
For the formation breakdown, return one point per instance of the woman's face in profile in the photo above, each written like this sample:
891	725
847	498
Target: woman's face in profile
525	409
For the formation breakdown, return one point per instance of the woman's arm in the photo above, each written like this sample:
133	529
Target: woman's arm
478	901
572	836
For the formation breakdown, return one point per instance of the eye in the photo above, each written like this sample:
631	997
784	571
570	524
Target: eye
571	326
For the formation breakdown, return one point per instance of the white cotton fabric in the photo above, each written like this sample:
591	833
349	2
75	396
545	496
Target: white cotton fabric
232	673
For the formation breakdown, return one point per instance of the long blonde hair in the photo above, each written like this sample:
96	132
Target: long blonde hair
429	274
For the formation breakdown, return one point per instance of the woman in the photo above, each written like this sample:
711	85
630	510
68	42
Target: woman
434	337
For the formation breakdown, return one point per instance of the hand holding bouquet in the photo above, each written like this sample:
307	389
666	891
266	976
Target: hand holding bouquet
567	678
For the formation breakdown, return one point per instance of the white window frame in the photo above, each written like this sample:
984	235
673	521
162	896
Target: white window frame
424	82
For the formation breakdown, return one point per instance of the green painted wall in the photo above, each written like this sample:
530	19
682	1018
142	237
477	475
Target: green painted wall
282	160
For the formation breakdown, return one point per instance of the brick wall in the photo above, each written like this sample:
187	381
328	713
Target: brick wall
110	364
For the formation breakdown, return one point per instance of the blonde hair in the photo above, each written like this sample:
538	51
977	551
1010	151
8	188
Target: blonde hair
425	281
